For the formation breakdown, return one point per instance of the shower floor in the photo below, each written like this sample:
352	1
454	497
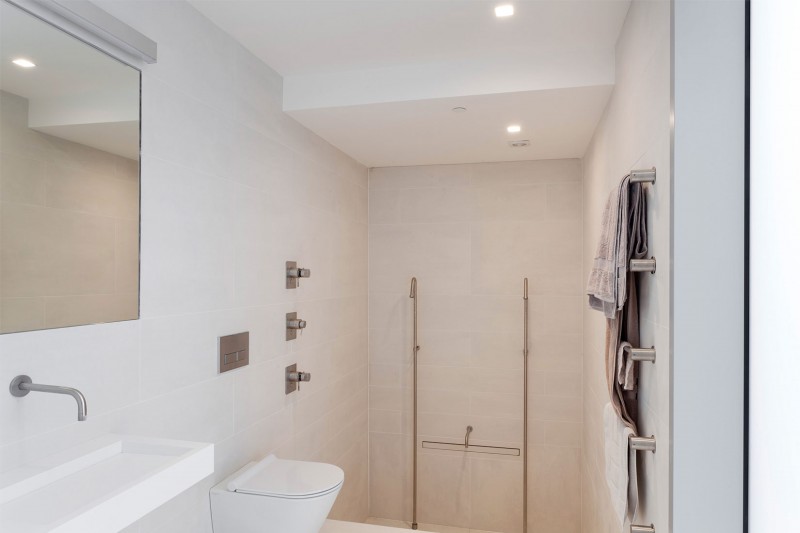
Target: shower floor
422	527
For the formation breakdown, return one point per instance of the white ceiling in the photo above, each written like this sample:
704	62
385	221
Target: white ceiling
75	91
377	78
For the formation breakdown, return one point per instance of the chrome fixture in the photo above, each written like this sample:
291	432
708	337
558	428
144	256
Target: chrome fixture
643	354
525	405
293	324
22	385
473	448
642	444
643	265
234	351
643	176
293	274
294	378
643	529
466	436
414	351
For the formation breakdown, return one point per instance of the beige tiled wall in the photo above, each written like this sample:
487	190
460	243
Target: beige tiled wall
232	188
69	229
633	133
470	234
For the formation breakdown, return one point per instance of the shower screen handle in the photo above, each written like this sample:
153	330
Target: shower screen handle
466	436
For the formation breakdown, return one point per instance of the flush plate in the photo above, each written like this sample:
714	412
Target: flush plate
234	351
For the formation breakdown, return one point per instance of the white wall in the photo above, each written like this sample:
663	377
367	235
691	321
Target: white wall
708	265
231	189
774	256
633	133
470	234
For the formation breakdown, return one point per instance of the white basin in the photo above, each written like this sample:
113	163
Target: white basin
101	486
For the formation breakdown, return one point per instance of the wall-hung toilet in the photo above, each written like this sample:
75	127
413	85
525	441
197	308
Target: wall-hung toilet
276	496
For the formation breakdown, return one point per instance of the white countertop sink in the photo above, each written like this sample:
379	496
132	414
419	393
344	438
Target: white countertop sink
101	486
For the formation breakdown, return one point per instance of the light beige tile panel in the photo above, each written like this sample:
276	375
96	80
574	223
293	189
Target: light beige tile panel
565	201
563	384
491	429
489	350
566	434
388	345
496	405
389	375
443	377
391	312
497	379
126	256
22	314
385	421
444	490
555	488
48	252
22	179
503	253
444	347
510	202
496	495
420	176
556	353
437	254
390	476
555	408
76	189
62	311
526	172
390	398
433	205
453	402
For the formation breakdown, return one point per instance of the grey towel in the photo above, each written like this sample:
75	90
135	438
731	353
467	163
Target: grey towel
623	235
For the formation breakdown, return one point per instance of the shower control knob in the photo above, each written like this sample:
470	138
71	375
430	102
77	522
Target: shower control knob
296	323
298	273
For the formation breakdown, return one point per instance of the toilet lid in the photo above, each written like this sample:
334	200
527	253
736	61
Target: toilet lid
287	479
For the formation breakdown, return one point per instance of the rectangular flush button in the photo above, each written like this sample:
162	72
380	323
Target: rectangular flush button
234	351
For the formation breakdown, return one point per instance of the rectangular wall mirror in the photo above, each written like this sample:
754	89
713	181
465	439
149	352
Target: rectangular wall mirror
69	179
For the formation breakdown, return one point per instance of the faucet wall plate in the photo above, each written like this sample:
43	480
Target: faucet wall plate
234	351
293	324
291	386
15	389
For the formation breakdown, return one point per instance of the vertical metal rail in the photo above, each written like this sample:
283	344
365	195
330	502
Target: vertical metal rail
415	349
525	407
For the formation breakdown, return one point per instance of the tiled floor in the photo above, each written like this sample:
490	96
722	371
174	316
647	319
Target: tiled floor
422	527
380	525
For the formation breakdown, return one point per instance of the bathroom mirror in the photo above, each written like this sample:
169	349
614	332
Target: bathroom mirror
69	179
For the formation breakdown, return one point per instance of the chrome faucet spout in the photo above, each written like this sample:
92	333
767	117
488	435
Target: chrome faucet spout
22	385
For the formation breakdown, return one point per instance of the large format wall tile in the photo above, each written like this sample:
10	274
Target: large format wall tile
470	234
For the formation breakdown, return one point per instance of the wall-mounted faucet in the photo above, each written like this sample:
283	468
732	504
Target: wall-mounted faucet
22	385
293	325
293	274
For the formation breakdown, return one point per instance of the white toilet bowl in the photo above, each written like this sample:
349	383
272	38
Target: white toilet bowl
275	496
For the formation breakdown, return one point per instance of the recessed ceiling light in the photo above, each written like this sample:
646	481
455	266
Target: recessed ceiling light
24	63
459	109
505	10
513	129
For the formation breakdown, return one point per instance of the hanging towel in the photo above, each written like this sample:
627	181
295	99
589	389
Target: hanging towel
623	235
621	473
606	286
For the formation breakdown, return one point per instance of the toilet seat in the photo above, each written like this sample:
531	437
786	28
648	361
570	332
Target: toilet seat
283	478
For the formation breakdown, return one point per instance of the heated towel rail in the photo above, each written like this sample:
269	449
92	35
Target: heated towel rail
643	444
